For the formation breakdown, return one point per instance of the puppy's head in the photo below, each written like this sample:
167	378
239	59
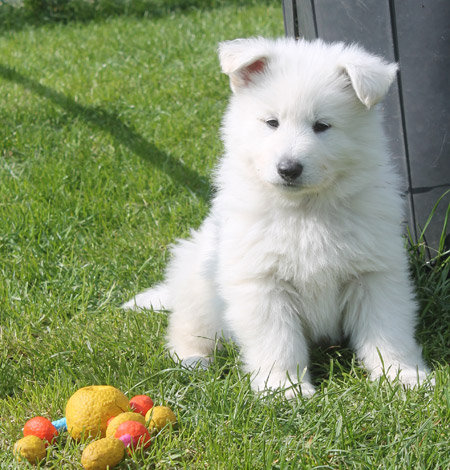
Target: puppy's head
302	114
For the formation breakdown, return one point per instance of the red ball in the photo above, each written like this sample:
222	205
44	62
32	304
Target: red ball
40	427
140	437
109	420
141	404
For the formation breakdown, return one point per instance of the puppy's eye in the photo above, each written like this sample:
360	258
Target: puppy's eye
320	126
273	123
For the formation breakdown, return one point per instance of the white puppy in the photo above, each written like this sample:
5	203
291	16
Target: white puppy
303	241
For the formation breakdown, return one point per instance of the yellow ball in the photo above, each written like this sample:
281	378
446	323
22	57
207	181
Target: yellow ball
119	419
89	408
102	454
31	448
159	417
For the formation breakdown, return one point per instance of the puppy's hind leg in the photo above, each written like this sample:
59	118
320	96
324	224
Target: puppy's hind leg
189	293
195	321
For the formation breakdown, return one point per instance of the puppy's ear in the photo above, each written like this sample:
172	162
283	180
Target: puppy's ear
370	75
243	60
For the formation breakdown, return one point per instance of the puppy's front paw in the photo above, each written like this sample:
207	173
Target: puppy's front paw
194	362
305	389
411	378
308	390
291	390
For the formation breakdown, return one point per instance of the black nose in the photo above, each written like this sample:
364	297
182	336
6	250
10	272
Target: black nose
289	170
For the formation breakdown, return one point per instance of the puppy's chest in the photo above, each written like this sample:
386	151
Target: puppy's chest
313	266
306	262
308	253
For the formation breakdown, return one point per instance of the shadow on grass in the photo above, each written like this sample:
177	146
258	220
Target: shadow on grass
45	12
322	357
121	132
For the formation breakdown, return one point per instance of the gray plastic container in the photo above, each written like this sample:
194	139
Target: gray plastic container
416	34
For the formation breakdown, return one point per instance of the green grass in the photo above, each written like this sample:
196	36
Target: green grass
109	130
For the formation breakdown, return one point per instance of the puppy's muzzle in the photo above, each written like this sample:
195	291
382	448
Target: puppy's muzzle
289	170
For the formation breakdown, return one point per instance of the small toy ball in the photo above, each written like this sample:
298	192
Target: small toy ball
160	417
138	432
141	404
60	424
30	448
89	408
109	420
103	453
119	419
126	439
40	427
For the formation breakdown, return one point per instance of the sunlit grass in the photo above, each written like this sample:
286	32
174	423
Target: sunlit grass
109	131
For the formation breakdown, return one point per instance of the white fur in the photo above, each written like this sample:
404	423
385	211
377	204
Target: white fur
279	267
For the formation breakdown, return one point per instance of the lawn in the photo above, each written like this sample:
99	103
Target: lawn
109	131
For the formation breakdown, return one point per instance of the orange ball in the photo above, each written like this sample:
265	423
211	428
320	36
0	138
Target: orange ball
141	404
40	427
140	437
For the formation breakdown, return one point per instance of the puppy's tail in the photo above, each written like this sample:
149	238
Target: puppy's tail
156	298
